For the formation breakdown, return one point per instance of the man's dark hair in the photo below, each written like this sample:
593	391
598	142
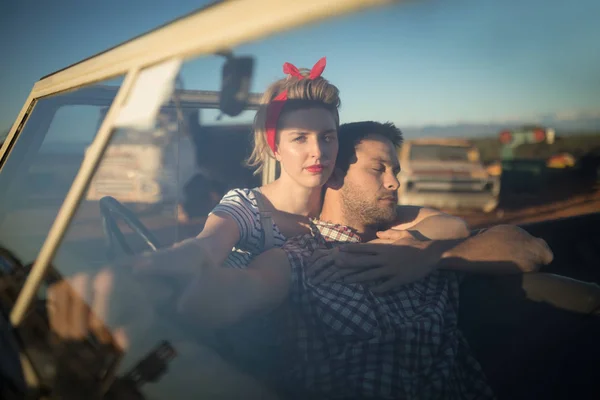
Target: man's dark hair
350	135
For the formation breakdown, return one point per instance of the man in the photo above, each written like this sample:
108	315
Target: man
359	332
371	333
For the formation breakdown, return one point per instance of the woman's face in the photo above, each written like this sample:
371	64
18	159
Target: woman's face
307	146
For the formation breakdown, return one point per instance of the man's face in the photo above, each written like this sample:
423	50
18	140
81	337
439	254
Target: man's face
369	192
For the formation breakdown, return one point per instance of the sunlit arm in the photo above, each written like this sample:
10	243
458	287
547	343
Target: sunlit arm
442	226
210	248
431	224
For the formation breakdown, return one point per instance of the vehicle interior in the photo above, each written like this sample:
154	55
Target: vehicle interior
49	228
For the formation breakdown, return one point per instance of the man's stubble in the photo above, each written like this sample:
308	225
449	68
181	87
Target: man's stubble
362	208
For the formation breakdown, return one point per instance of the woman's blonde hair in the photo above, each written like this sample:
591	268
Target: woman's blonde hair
301	94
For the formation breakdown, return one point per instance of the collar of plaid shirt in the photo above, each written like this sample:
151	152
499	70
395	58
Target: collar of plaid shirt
335	232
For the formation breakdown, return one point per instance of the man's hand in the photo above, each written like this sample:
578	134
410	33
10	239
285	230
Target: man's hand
397	262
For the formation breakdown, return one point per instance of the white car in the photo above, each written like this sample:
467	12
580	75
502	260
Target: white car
447	174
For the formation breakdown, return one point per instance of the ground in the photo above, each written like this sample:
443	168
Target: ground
515	213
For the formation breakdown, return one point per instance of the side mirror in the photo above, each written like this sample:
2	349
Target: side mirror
235	85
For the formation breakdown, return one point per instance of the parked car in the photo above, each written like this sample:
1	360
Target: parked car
148	170
447	174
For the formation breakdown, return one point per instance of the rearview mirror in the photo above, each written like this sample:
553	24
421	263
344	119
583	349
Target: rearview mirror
235	85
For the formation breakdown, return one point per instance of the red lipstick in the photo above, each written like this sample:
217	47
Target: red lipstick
315	169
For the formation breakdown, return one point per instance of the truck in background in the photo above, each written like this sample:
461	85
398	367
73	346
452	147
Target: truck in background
148	170
446	174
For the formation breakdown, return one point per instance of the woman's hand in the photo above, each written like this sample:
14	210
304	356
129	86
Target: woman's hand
184	260
397	259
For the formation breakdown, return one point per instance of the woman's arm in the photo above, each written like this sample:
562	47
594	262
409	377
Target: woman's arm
430	223
178	262
219	236
229	224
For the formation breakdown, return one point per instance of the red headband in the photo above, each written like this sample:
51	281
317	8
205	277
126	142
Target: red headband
276	105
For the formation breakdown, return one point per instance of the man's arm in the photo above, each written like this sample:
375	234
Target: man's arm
222	296
500	249
503	249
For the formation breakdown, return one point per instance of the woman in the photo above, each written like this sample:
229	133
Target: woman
297	126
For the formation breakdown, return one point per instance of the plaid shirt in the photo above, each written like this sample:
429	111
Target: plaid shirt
343	341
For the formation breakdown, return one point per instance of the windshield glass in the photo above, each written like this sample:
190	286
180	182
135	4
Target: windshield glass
44	161
168	176
437	62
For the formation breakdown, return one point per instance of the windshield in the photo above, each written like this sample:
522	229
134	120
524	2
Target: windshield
442	153
169	176
146	169
440	64
43	163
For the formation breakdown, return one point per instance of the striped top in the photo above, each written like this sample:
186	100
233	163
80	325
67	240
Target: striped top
241	205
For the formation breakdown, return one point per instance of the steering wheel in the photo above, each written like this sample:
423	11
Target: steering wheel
110	209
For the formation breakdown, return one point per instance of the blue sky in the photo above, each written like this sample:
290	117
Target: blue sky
420	63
